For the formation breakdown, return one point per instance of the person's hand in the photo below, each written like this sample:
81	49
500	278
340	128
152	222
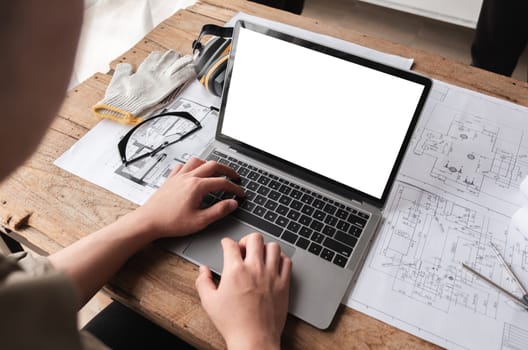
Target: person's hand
250	304
174	210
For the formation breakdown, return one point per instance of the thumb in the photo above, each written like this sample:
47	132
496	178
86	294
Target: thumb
205	284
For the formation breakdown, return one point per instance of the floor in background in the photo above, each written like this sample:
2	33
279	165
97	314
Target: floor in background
441	38
92	308
444	39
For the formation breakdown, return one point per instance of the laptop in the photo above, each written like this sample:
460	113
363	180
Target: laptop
317	136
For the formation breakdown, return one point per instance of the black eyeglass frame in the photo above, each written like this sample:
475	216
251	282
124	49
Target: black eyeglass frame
121	146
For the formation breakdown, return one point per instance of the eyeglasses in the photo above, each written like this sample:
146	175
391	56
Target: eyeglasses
155	134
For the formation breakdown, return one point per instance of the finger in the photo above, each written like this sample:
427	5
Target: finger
176	170
204	284
273	257
215	184
286	269
254	244
218	211
192	164
231	252
212	168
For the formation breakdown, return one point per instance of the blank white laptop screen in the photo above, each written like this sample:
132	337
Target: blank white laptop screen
334	117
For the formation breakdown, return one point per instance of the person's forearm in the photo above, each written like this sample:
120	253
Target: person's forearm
94	259
174	210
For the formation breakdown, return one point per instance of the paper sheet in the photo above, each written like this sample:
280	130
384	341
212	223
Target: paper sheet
456	191
95	157
520	221
520	218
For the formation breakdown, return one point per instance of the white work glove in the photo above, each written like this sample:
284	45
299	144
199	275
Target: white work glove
132	96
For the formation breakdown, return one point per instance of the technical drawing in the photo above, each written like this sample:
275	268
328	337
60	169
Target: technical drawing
456	191
514	337
425	240
471	155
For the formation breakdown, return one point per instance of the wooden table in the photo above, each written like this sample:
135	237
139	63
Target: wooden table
47	208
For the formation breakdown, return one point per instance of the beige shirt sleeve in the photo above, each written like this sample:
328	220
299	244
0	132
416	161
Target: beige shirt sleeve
38	306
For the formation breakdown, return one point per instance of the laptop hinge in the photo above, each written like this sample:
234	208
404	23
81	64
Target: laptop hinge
358	203
369	206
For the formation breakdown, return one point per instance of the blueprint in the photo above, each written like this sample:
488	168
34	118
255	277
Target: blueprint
95	157
456	191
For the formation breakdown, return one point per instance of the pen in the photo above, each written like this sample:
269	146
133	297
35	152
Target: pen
519	301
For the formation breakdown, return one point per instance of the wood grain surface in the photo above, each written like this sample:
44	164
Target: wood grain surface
47	208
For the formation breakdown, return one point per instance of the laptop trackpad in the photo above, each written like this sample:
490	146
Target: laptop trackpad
206	249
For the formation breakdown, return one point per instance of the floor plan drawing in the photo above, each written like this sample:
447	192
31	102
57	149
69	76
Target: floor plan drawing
455	193
470	154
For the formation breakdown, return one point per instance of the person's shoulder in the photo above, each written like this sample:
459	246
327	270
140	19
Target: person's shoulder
39	302
8	265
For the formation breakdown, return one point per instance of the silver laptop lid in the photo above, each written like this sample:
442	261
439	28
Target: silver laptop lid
329	117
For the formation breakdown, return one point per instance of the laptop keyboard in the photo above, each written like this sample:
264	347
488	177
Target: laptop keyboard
295	214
